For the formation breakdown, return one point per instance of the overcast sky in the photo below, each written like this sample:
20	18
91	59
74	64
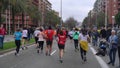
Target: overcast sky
73	8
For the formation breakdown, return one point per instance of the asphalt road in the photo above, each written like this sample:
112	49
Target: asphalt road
31	59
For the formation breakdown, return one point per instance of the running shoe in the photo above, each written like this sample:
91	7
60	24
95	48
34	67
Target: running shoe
61	61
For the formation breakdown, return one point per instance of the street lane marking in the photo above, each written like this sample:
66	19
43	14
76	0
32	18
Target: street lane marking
99	59
53	52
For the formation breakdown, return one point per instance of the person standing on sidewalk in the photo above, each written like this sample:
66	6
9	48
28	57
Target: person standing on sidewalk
113	40
49	40
2	35
103	33
95	37
61	44
84	38
118	35
75	38
119	54
17	36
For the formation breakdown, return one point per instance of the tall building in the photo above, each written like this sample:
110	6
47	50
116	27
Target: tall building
43	6
109	7
112	10
99	6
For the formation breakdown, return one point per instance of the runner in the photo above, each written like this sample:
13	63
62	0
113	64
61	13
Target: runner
36	32
70	33
95	37
61	44
75	37
24	37
17	36
49	40
41	39
83	38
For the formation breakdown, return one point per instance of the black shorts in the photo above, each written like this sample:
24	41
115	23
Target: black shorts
49	42
25	38
70	37
60	46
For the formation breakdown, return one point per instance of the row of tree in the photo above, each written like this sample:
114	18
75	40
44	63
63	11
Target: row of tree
71	23
94	20
99	20
26	7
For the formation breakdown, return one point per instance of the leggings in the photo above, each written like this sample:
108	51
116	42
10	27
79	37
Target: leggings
83	53
76	43
17	42
41	44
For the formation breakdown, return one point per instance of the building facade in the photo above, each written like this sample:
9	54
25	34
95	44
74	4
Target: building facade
109	7
43	6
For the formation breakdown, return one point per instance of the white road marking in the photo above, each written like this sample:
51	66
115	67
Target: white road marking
99	59
53	52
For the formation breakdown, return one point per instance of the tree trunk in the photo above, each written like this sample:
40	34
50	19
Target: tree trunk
22	19
0	12
13	19
0	17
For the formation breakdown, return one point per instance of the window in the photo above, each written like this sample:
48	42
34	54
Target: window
114	5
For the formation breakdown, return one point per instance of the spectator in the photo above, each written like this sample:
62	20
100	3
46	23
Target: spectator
2	35
108	33
113	40
103	33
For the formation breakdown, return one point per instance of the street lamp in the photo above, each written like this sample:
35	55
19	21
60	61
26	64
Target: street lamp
18	22
9	18
106	15
113	21
61	12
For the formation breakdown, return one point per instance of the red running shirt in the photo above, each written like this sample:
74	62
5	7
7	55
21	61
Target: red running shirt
50	34
61	39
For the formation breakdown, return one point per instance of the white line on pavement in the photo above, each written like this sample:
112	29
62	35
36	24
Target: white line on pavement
99	59
53	52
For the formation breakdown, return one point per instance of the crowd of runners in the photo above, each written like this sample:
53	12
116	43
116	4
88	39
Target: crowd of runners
106	40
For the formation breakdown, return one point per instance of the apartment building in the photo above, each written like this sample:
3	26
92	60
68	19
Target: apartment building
99	6
109	7
42	5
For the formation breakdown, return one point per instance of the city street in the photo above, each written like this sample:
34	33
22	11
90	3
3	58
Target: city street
31	59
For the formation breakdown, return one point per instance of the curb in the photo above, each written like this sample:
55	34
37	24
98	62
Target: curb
12	49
